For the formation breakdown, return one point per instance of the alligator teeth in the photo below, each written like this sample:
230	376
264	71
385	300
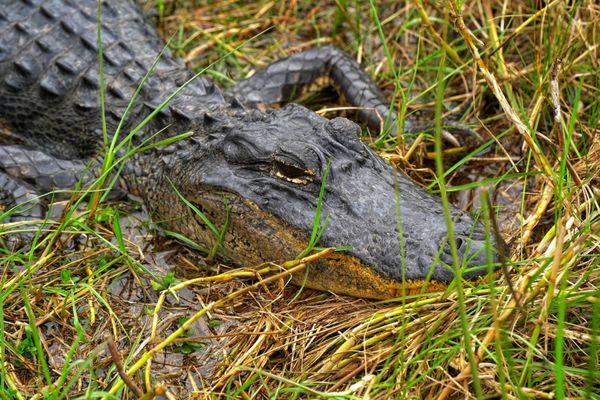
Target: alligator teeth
298	181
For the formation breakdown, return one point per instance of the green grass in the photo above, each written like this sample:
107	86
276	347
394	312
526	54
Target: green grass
532	334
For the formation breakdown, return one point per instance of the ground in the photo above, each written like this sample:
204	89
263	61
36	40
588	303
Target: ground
527	74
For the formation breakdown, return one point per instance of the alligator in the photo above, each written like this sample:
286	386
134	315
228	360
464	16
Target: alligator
253	161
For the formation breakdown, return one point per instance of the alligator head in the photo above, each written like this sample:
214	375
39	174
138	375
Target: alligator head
263	173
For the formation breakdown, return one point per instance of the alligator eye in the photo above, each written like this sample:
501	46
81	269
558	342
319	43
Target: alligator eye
292	173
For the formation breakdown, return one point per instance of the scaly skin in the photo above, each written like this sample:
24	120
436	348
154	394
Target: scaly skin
265	167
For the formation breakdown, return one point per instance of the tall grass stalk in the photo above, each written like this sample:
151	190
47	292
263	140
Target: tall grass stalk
457	265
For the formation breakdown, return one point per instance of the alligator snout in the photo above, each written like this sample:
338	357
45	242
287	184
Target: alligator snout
398	230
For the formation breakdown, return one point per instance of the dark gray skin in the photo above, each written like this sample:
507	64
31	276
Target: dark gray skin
266	167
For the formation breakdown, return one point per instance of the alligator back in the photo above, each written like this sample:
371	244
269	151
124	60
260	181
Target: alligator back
49	72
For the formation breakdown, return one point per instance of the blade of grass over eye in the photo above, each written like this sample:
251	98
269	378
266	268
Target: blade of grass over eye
456	264
317	231
220	76
317	228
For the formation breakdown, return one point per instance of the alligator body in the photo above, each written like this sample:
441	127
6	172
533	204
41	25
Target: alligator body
261	170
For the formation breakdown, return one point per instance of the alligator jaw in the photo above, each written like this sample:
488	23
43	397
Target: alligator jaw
344	274
255	236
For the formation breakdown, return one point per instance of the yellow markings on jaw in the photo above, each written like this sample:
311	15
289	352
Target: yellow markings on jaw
345	274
